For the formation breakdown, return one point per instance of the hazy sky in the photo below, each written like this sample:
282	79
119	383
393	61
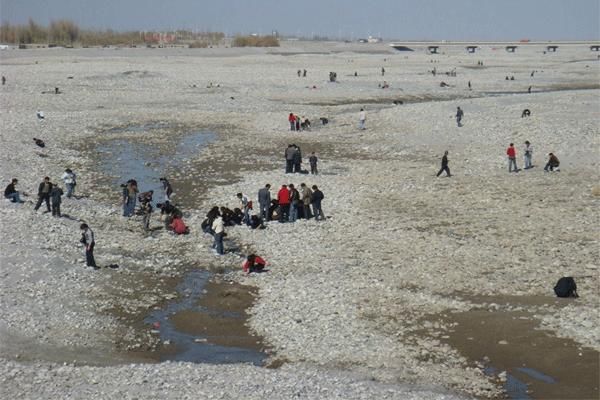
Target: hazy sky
399	19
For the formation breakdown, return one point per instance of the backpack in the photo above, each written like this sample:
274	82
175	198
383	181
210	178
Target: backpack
566	287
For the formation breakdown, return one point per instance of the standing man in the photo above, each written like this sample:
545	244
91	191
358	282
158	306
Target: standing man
313	164
88	240
317	198
294	201
130	192
511	152
245	207
219	231
44	194
289	158
362	118
382	71
69	179
283	198
264	202
459	116
11	193
55	195
297	160
528	154
444	165
292	121
306	195
167	188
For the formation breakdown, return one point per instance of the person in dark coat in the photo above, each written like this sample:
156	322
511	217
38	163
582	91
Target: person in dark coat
44	194
316	199
11	193
444	165
87	238
552	163
56	196
297	160
264	201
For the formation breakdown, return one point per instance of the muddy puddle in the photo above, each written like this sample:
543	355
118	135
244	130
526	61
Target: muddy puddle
126	158
206	323
535	364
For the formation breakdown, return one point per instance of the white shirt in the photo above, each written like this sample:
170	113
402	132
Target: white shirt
362	116
217	225
68	178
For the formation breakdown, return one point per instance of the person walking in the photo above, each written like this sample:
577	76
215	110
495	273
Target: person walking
264	202
292	121
511	152
294	202
219	232
69	179
528	154
87	238
289	158
362	118
56	194
552	163
306	196
444	165
283	199
130	191
313	160
44	194
459	116
316	199
11	193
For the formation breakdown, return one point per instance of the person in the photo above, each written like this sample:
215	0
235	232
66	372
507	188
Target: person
69	179
528	154
87	238
292	120
382	71
459	116
178	226
304	73
289	158
313	160
11	193
362	117
167	213
444	165
3	80
167	188
219	232
256	222
210	218
130	191
297	160
253	263
245	207
552	163
146	208
297	120
56	194
316	199
511	152
529	89
44	194
469	85
264	201
283	199
294	201
305	125
306	196
39	142
299	73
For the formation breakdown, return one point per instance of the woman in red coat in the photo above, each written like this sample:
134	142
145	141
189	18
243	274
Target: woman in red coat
253	263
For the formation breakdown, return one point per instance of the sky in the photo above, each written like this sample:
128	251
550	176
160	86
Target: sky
349	19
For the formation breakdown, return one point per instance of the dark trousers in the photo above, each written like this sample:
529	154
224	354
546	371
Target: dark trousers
264	211
56	210
284	212
306	210
218	244
42	198
444	169
297	167
313	169
89	256
289	165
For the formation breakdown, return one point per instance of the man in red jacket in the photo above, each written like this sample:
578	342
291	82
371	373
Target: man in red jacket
283	198
511	152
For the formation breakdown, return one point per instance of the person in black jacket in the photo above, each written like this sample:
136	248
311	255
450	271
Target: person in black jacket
56	194
444	165
44	194
11	193
316	199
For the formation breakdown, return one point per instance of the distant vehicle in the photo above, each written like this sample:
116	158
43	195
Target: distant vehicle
363	41
4	47
524	41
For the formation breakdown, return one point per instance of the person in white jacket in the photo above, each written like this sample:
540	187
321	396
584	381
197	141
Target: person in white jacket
69	179
219	232
362	117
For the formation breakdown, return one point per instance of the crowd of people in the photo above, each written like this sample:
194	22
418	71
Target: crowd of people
298	124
